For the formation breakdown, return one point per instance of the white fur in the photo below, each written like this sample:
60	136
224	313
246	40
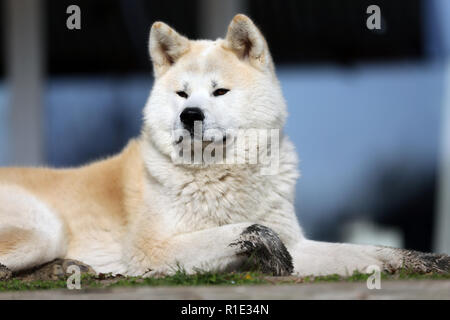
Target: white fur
196	200
191	214
22	211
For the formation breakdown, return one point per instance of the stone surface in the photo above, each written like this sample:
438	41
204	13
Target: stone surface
408	289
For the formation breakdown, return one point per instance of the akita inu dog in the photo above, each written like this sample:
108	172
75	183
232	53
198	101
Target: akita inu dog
143	213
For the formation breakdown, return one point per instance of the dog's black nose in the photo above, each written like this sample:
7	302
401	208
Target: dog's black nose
190	115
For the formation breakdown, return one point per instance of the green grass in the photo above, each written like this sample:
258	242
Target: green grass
203	279
179	279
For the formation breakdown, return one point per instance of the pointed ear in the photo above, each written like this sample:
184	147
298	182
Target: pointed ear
245	39
166	47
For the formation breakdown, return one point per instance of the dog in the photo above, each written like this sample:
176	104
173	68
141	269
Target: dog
147	211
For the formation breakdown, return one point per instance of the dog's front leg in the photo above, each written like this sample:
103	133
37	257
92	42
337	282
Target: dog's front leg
224	248
323	258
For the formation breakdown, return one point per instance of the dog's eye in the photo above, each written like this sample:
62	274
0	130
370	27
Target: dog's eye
182	94
220	92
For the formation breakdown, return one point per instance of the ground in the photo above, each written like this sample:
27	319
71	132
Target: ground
50	281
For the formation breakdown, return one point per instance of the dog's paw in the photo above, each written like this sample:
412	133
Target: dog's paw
425	262
159	273
265	251
5	273
55	270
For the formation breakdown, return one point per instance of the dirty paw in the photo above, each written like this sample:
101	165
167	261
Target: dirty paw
161	272
426	262
265	251
55	270
5	273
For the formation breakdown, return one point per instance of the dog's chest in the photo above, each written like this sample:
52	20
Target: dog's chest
208	199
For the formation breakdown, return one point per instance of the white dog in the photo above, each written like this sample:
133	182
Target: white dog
144	212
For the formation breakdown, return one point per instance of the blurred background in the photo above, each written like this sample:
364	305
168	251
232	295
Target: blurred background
369	109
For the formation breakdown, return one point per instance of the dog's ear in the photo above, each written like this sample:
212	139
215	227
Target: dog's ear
166	47
245	39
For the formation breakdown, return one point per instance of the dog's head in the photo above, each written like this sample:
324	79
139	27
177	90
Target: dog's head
226	84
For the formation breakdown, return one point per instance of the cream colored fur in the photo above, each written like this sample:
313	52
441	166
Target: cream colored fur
138	213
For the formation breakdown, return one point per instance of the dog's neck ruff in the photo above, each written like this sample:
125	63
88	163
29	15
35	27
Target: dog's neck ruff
206	195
